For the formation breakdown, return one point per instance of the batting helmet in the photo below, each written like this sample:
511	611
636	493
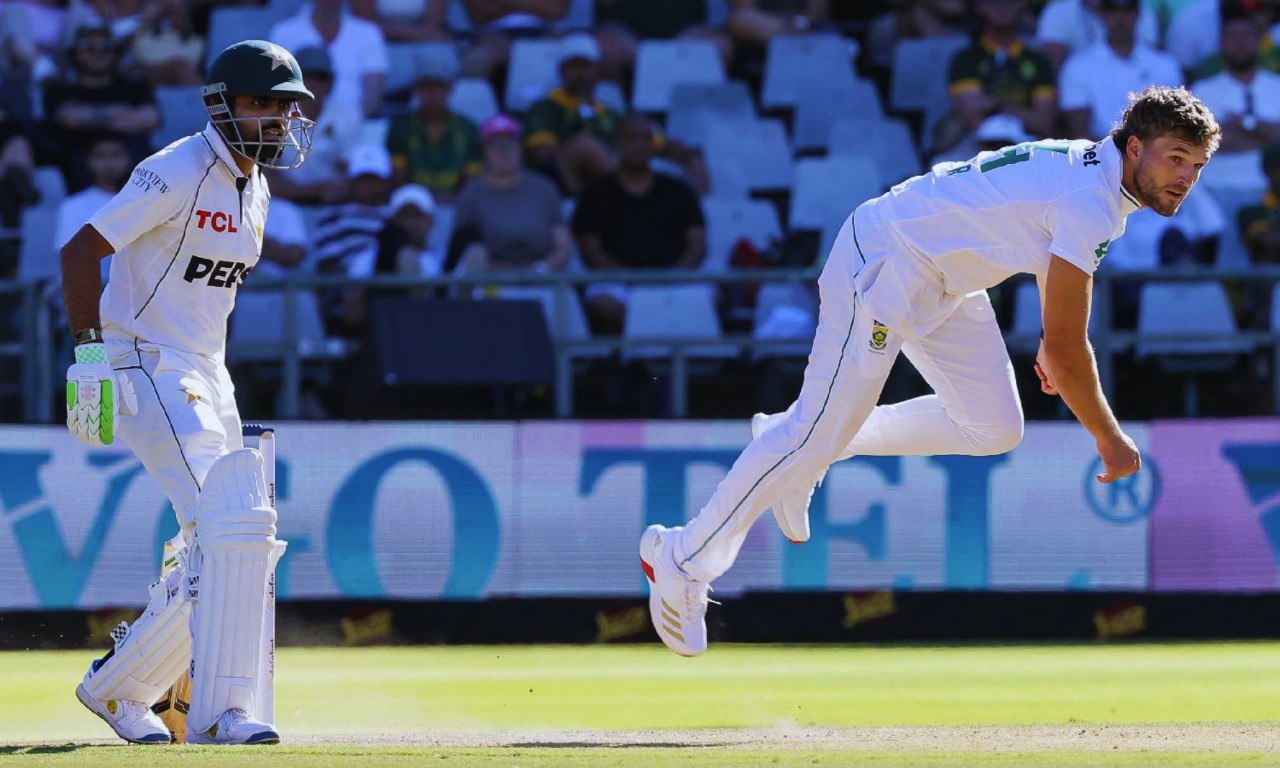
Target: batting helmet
263	69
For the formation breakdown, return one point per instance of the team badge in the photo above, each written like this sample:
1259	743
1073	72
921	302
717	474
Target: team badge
279	57
879	336
192	395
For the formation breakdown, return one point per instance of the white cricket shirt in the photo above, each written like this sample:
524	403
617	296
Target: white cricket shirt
1003	213
187	230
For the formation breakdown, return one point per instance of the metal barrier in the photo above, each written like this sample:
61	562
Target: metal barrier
35	349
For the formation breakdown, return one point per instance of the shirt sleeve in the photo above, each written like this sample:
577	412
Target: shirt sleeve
1073	85
156	192
1082	225
691	210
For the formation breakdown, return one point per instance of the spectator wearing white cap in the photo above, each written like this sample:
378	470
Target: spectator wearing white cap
995	133
357	47
322	180
434	146
570	133
401	249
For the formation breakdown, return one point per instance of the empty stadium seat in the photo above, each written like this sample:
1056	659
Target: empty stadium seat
785	311
792	60
661	64
406	60
828	189
729	220
181	113
534	71
231	24
674	312
919	66
257	327
474	99
38	258
1188	308
888	142
53	187
821	100
758	147
695	106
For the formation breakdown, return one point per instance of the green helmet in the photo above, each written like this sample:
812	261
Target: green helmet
264	69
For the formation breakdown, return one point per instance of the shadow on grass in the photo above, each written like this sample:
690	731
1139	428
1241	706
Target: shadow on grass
51	749
611	745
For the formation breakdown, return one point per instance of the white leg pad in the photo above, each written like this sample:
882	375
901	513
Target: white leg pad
154	651
232	558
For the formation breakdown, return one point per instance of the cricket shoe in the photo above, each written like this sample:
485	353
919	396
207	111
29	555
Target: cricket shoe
792	510
132	721
677	603
235	727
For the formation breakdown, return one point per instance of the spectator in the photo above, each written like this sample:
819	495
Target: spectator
911	19
435	146
1068	26
999	74
508	218
1260	229
1263	14
498	22
356	47
1245	99
284	240
995	133
404	244
322	179
635	219
405	21
98	99
1193	34
33	37
109	167
17	152
166	50
753	23
348	232
570	134
1096	82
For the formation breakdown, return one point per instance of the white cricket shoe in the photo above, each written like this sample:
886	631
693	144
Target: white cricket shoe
235	727
792	511
677	603
132	721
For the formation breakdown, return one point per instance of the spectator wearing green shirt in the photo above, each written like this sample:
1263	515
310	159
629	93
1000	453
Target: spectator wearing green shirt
570	134
434	146
999	74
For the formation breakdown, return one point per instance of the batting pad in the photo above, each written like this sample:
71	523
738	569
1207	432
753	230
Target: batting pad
234	546
154	651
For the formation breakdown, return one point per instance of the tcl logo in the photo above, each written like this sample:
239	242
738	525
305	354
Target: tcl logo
216	220
218	274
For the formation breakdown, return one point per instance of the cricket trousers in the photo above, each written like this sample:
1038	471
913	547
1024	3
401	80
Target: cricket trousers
876	299
187	417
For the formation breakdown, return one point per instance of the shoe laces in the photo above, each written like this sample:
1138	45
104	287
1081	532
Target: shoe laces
132	712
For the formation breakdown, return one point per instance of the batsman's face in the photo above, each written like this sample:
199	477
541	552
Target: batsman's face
1167	168
272	116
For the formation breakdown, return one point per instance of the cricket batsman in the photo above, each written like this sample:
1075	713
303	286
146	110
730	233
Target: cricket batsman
149	368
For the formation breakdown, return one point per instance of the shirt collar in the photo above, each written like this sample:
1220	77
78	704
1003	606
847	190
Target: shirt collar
569	102
223	152
1125	201
991	47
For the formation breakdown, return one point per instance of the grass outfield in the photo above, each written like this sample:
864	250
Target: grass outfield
1132	705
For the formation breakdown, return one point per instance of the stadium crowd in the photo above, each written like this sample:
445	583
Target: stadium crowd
545	136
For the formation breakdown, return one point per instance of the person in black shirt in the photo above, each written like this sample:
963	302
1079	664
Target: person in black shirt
96	100
635	219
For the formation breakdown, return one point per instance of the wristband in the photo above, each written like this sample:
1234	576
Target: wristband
88	336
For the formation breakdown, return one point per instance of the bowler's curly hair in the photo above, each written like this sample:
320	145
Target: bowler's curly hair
1160	110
